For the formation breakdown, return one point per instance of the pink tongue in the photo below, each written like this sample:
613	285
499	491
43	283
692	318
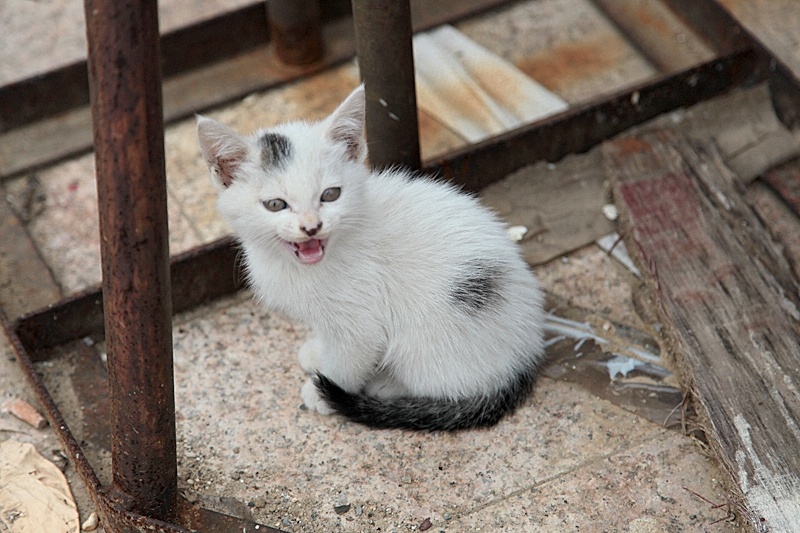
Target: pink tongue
309	252
310	246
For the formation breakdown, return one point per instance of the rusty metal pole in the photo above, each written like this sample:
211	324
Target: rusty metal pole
386	62
296	30
125	81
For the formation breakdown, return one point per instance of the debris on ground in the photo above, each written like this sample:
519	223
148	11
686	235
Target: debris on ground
25	412
34	494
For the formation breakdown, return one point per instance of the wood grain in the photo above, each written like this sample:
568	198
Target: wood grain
730	303
474	92
774	24
785	180
658	33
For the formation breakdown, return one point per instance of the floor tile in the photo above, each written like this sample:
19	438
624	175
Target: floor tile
237	388
655	486
66	230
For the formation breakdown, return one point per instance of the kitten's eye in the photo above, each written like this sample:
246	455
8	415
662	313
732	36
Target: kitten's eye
276	204
330	195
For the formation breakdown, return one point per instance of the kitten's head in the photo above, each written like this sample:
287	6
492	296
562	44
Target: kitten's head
295	187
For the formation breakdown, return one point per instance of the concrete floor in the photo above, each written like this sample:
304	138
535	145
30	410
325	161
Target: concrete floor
567	461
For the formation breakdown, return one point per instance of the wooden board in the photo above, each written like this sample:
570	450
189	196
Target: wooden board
730	304
560	204
474	92
658	33
774	24
783	224
785	180
744	127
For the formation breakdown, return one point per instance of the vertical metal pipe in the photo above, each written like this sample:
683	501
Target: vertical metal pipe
295	30
386	62
125	81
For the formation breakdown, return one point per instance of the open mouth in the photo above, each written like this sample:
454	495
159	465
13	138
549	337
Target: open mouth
308	252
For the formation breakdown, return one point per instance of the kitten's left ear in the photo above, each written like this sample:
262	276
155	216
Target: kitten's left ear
346	125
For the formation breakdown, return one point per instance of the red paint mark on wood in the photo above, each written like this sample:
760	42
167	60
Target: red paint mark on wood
666	212
629	145
727	295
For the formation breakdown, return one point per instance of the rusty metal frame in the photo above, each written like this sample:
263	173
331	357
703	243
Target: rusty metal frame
196	275
125	86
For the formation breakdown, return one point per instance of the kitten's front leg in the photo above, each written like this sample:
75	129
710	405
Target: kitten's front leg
310	355
349	368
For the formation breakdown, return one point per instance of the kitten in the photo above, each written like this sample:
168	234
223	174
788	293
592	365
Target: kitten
425	315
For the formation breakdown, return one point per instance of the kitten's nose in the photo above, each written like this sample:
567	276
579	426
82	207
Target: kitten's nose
311	231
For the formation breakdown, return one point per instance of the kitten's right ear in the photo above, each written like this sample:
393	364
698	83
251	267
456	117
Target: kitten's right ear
223	149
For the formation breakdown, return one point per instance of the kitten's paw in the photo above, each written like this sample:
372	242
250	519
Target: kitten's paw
310	355
312	400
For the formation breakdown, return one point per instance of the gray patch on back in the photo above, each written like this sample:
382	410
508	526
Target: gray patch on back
478	288
275	150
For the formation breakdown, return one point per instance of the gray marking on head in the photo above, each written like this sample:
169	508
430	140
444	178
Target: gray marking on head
275	150
478	287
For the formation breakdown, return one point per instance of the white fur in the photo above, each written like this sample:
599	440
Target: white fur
379	300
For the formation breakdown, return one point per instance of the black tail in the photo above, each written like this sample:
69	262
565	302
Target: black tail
427	414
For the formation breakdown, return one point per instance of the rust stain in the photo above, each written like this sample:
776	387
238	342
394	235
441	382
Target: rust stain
568	63
654	23
500	84
629	145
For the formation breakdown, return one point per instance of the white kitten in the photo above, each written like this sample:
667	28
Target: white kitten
425	315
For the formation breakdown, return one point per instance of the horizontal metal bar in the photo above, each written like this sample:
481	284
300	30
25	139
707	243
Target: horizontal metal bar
191	517
117	518
198	276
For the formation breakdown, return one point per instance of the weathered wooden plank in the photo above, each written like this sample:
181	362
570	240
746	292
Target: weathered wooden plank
774	24
560	205
785	180
658	33
730	303
473	91
783	224
744	127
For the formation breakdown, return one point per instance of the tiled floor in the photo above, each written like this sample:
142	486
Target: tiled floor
567	461
532	472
